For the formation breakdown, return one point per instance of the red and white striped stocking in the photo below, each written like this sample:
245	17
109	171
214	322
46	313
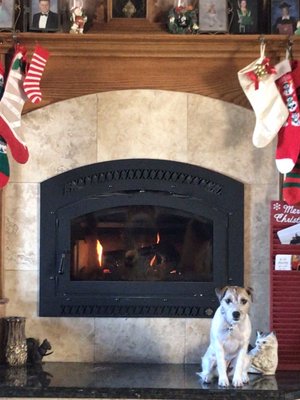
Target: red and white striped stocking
11	106
34	74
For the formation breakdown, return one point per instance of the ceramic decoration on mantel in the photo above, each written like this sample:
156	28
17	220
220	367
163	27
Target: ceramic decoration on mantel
78	17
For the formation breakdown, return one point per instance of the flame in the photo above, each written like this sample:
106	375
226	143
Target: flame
99	252
152	261
154	258
157	238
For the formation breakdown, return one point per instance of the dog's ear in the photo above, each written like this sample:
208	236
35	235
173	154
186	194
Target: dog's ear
249	290
220	292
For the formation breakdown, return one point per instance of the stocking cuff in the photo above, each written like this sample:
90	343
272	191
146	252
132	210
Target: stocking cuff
282	68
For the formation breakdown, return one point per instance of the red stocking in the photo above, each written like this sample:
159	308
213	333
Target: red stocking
288	144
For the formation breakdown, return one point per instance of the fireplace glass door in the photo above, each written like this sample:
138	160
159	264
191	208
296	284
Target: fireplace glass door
141	243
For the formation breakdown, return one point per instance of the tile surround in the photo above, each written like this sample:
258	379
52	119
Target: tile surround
131	124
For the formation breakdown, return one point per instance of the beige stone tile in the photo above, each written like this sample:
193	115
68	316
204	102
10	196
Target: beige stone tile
21	288
20	238
60	137
142	124
220	138
72	339
257	227
197	339
145	340
260	308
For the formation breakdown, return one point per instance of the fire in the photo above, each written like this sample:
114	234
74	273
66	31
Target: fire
99	252
157	238
153	259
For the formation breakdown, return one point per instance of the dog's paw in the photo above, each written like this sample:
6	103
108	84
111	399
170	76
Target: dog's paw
206	378
245	378
237	382
223	382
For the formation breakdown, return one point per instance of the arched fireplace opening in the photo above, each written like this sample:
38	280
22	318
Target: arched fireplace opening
138	238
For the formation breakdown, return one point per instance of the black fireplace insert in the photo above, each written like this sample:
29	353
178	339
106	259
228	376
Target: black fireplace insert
139	238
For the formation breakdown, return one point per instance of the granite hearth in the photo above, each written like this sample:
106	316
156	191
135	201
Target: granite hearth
136	381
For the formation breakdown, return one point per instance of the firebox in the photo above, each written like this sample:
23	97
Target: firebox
139	238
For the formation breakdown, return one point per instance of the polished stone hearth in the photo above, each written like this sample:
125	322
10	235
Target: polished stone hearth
136	381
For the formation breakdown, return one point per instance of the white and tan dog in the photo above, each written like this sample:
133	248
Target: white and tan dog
229	338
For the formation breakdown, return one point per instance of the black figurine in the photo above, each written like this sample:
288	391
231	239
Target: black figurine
36	352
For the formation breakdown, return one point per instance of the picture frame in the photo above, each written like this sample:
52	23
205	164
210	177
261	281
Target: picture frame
213	16
245	16
284	16
49	23
128	9
129	15
7	15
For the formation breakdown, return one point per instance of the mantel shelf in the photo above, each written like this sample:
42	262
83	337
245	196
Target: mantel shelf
104	61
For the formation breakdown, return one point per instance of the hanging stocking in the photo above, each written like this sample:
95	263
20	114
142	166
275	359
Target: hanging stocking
11	106
288	144
291	185
1	79
34	74
296	73
4	163
258	83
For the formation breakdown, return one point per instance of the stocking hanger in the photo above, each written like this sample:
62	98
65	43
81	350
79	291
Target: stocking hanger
262	39
289	49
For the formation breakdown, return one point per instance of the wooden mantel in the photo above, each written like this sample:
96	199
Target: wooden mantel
102	61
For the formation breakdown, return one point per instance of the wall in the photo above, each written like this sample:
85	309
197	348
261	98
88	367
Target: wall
127	124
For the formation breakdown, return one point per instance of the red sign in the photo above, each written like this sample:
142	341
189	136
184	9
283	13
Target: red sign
282	213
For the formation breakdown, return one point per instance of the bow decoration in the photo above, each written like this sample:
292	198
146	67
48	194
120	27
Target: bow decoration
260	71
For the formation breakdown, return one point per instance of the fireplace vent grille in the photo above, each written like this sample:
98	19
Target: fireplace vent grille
145	175
132	311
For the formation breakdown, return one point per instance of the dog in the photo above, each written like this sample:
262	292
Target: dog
229	338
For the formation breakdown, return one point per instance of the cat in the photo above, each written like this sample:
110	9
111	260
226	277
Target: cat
263	358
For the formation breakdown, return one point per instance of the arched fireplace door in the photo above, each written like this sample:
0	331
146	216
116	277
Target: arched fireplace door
139	238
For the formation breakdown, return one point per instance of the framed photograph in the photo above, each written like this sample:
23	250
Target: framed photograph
44	15
244	17
284	16
7	14
128	9
213	16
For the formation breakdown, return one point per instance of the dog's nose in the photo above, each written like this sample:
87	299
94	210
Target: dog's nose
236	315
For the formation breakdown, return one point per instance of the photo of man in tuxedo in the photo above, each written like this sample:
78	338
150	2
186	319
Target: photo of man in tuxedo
45	19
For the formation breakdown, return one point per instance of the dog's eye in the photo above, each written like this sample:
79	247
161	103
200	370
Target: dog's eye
244	301
228	301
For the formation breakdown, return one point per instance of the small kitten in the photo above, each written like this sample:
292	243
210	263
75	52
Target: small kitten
263	358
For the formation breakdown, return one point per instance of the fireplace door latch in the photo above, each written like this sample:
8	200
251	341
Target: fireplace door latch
61	267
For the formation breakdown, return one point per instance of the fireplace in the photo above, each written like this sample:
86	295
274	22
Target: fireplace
139	238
